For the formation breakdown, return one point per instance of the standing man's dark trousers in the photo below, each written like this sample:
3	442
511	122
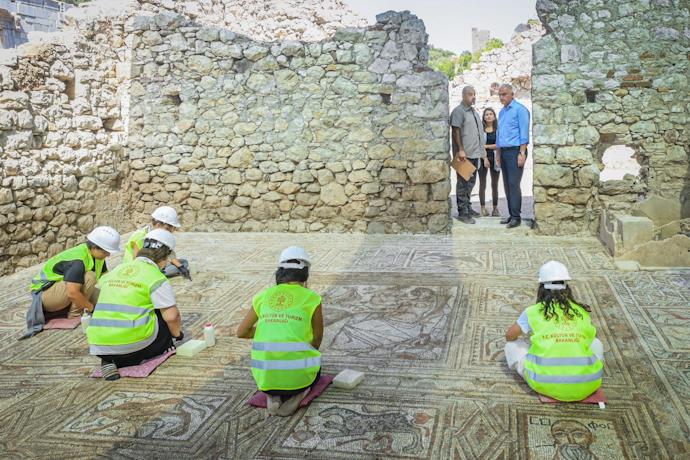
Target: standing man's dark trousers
512	175
463	191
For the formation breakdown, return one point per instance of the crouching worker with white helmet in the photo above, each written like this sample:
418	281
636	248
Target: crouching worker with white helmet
66	286
565	359
164	217
286	324
136	318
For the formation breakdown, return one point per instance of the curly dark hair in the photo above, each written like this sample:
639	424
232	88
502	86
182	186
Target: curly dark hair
562	299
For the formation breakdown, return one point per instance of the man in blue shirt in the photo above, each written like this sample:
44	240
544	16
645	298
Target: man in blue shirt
511	149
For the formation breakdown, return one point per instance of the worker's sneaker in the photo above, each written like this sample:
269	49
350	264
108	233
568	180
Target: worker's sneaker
109	371
290	406
466	219
273	404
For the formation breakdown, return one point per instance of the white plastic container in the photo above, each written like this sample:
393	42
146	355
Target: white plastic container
85	320
348	379
191	348
209	335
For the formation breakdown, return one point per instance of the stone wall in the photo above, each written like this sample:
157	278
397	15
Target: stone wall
347	134
609	73
61	134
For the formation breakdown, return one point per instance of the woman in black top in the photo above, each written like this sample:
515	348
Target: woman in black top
490	127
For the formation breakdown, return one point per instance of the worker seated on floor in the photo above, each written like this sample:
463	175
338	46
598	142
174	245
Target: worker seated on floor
66	286
164	217
135	318
565	359
286	324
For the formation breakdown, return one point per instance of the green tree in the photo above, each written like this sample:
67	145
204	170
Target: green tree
452	64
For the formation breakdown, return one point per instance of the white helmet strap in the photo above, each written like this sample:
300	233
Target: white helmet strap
300	265
554	287
150	243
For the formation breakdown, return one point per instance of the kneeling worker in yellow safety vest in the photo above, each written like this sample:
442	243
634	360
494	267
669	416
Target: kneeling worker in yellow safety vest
564	360
136	317
66	286
164	217
286	324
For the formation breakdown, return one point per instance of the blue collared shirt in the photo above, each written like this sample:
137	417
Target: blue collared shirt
513	125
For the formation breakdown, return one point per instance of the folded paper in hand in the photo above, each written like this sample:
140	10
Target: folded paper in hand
464	168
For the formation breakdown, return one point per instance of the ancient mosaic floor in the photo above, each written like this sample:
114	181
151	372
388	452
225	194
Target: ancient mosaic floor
423	317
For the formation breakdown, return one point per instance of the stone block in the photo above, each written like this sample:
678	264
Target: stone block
554	176
428	171
577	156
660	210
671	252
333	194
392	175
634	231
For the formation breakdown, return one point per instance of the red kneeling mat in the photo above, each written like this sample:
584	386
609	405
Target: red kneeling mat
259	398
62	323
140	370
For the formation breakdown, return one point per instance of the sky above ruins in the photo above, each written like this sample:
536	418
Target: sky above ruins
449	23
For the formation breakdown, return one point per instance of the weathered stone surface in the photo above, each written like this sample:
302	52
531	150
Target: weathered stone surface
635	231
660	210
578	156
671	252
333	194
429	171
554	176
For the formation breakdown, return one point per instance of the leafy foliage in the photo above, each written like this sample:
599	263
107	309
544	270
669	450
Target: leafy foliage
453	64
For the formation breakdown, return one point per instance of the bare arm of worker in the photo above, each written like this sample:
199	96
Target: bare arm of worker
76	297
317	327
497	157
460	152
490	146
172	318
135	249
513	332
247	327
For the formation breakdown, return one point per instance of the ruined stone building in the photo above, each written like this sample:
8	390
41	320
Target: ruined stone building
18	18
335	128
479	39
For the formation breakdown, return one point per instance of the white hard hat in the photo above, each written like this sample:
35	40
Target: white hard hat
553	271
105	238
294	253
167	215
162	236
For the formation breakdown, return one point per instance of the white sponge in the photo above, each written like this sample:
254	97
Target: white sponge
348	379
191	348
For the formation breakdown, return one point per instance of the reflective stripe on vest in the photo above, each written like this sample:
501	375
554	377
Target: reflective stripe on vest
122	308
564	378
124	320
560	363
583	361
125	348
286	365
120	322
282	346
282	355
